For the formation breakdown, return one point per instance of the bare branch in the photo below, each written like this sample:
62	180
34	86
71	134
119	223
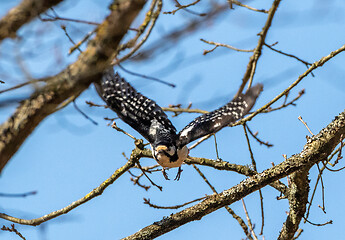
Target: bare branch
147	201
22	14
249	74
223	45
15	195
248	7
288	55
182	7
285	104
180	110
255	136
248	220
305	124
13	229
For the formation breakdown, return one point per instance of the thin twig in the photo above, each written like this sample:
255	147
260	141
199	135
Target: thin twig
313	194
181	7
84	114
92	104
178	4
15	195
70	38
337	151
216	146
299	232
24	84
307	64
77	46
248	220
121	130
285	104
318	224
56	18
186	110
255	169
136	181
255	136
12	229
249	148
305	124
65	103
147	201
145	76
248	7
323	208
200	141
224	45
153	184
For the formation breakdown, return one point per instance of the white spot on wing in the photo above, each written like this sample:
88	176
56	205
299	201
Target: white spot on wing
154	126
186	131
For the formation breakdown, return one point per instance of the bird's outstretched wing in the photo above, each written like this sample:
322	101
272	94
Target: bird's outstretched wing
213	121
140	112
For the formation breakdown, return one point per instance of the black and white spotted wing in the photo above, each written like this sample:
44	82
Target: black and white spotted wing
213	121
140	112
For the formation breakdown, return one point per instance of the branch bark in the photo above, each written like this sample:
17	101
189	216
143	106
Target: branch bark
70	82
298	199
22	14
317	148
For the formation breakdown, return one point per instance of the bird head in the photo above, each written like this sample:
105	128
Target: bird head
169	156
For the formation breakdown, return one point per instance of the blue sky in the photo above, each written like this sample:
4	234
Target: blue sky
67	156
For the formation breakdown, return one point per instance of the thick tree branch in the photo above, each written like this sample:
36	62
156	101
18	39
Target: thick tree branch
244	170
317	148
298	199
22	14
71	81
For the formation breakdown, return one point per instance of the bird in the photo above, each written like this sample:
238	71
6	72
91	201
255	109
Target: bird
144	115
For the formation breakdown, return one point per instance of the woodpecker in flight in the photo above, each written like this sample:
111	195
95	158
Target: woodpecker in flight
169	149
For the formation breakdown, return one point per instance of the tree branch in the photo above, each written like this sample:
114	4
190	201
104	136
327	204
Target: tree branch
22	14
71	81
251	67
298	199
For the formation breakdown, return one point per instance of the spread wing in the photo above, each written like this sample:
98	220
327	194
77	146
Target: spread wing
213	121
140	112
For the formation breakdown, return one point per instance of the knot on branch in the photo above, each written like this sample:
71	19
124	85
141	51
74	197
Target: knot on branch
139	143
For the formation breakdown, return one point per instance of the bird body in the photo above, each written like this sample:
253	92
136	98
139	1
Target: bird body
169	149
